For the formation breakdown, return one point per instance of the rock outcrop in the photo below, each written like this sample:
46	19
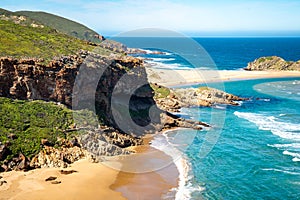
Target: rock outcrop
273	63
52	157
195	97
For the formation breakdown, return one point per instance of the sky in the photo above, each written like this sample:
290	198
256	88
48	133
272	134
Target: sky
190	17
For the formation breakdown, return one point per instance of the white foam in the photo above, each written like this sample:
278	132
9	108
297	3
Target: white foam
147	51
163	59
167	66
185	188
292	145
282	129
154	51
220	107
293	154
280	170
239	102
296	159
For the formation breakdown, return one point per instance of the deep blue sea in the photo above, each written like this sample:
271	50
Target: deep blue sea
252	151
214	53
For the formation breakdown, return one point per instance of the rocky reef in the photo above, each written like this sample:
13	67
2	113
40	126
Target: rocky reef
273	63
196	97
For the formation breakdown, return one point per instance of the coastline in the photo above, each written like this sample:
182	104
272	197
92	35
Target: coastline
168	180
148	174
109	180
119	177
172	78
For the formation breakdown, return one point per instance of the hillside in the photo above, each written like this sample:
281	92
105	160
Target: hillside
5	12
62	24
31	131
38	42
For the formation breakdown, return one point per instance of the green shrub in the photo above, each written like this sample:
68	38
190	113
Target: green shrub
31	121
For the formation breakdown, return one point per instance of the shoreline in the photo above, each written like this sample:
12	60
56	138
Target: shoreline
152	175
104	180
183	190
121	178
186	77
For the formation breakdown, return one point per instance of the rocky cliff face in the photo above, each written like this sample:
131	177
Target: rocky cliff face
273	63
29	79
122	98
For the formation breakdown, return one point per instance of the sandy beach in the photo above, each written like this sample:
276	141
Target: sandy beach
90	181
171	78
148	174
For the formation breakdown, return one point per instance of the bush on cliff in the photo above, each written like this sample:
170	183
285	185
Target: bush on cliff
23	124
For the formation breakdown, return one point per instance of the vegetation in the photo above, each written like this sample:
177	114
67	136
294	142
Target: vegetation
263	59
43	35
24	124
61	24
5	12
160	91
24	41
203	88
28	122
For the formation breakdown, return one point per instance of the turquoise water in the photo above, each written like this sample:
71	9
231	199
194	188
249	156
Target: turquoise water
252	151
256	154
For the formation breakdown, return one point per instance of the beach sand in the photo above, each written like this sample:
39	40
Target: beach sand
148	174
91	181
171	78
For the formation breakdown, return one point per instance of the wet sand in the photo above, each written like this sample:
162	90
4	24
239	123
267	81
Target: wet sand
170	78
148	174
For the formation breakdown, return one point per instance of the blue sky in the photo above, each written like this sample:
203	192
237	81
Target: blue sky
198	17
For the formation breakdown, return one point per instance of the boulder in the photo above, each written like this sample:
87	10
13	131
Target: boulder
4	151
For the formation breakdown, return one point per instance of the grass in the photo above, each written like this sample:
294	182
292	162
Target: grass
204	88
61	24
263	59
160	91
31	121
25	41
260	60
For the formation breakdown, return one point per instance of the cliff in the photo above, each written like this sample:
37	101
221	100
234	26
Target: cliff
273	63
103	102
114	86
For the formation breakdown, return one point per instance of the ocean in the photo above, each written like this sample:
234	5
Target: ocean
218	53
252	151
